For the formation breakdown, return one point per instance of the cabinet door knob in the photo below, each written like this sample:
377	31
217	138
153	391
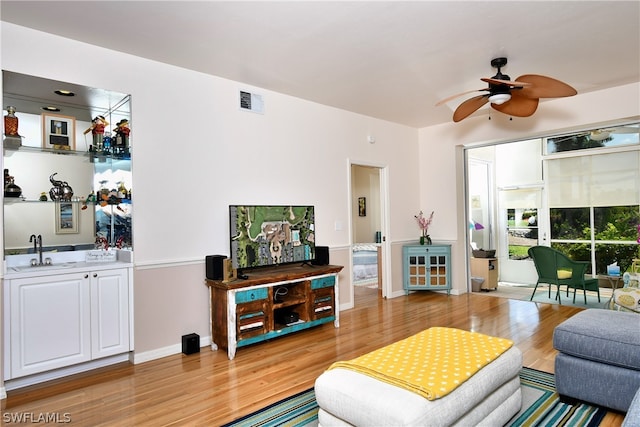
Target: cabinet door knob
86	276
95	274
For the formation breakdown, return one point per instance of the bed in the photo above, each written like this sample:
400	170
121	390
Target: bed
365	264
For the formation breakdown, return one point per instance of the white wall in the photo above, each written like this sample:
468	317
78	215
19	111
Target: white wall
194	153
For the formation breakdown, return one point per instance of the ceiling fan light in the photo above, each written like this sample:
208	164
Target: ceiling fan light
499	98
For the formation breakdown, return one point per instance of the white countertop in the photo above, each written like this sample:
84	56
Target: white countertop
19	266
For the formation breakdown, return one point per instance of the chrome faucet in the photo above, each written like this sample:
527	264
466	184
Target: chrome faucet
40	249
33	239
37	246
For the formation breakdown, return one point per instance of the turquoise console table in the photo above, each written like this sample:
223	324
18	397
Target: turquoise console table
426	267
271	303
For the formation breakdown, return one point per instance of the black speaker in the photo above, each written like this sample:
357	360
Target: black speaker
322	256
215	267
191	343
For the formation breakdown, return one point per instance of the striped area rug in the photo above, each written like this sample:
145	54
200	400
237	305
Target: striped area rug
540	407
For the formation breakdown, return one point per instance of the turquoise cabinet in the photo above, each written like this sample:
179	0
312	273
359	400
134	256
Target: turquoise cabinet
426	267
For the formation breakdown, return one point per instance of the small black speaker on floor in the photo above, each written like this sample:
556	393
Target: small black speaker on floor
215	266
322	256
191	343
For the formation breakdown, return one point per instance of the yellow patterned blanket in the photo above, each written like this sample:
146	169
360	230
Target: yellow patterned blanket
431	363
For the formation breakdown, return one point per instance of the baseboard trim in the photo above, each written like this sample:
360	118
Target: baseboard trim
63	372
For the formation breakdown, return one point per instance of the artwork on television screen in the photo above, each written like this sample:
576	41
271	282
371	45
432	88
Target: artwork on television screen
271	235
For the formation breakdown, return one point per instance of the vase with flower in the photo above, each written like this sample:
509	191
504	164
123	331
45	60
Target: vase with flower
424	224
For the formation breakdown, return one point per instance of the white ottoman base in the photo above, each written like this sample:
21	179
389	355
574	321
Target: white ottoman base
490	397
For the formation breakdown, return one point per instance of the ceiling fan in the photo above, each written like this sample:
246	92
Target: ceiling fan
516	98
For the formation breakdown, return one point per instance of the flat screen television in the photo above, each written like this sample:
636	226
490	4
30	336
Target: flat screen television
264	235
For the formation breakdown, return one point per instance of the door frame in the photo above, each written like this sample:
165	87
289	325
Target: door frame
385	261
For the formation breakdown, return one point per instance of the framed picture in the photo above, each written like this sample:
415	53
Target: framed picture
67	217
362	206
58	132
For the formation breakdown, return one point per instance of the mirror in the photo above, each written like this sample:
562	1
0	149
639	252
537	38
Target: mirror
58	148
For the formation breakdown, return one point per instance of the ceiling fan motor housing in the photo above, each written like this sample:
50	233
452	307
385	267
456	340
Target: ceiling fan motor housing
495	89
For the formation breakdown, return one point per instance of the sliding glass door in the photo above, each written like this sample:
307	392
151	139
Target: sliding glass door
522	226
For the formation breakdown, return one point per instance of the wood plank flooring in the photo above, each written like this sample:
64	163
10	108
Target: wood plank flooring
207	389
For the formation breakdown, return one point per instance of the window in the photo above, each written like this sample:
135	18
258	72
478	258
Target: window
612	236
617	136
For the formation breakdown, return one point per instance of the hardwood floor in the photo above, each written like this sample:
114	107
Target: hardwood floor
208	389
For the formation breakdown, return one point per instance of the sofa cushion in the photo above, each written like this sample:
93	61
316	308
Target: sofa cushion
632	419
605	336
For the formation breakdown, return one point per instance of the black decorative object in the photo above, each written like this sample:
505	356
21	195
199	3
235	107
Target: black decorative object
11	189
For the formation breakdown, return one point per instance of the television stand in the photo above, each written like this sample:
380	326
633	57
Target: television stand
245	312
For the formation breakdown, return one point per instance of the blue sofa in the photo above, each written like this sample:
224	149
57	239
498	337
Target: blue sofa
599	359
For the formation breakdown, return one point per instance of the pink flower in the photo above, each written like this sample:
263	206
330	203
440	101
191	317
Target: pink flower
423	222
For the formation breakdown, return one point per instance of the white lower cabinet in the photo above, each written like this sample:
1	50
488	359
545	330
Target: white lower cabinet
109	313
61	320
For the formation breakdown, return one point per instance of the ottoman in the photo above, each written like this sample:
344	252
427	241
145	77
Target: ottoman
490	397
599	358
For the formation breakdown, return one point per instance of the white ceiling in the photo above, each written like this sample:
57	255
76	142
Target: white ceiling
387	59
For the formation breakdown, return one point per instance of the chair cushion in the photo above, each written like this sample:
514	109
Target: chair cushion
564	274
628	298
603	336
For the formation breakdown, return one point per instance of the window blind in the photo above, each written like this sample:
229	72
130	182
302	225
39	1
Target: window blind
611	179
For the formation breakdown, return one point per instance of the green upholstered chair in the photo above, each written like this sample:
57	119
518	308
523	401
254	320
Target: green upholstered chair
555	268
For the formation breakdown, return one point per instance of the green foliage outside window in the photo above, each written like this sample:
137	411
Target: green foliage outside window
618	223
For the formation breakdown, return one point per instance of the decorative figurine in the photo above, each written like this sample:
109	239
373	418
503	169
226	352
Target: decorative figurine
11	189
12	139
102	243
91	198
122	134
97	130
61	190
43	197
11	122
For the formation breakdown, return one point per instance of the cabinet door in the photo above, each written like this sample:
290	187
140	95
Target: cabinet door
49	323
109	313
426	267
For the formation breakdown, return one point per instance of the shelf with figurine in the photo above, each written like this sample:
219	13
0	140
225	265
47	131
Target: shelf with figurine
104	154
103	146
61	191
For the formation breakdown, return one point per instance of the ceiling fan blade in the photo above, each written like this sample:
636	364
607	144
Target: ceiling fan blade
544	87
517	83
469	106
566	137
444	101
605	133
518	106
625	129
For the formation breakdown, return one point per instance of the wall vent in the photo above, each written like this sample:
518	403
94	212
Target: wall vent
251	102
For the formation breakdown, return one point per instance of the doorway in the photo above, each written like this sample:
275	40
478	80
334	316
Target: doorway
367	232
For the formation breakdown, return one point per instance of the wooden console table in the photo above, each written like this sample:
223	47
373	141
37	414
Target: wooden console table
272	302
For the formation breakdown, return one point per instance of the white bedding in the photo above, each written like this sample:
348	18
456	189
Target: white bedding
365	264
